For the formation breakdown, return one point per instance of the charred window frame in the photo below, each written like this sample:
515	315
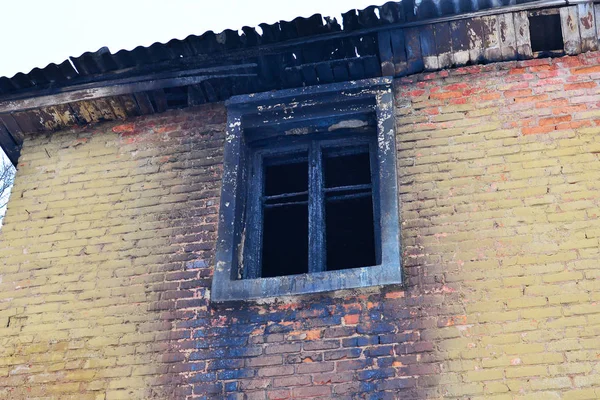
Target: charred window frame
302	125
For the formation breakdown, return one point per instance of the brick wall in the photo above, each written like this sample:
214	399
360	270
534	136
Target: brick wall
108	245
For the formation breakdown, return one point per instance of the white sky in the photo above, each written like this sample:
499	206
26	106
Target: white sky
34	33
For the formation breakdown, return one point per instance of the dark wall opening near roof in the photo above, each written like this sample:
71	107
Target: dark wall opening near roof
546	34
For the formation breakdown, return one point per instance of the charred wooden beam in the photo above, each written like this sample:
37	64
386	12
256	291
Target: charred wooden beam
119	87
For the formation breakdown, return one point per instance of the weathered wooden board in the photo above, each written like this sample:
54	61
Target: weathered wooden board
522	35
65	113
587	27
570	30
491	39
104	108
508	37
597	20
48	118
117	108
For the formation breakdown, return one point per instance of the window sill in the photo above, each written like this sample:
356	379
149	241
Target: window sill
293	285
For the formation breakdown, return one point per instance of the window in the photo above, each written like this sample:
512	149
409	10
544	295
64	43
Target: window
309	199
545	32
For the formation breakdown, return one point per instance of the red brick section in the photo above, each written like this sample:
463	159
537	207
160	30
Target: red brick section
109	240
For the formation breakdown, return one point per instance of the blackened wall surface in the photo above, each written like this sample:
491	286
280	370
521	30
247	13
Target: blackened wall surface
108	248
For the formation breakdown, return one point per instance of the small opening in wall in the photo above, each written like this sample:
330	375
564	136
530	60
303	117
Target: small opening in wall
546	34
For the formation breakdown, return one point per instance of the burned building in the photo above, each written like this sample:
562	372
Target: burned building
400	204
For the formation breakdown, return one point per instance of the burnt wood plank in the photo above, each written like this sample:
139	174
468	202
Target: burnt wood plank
386	56
399	52
159	100
356	69
116	88
24	121
144	104
9	145
587	27
414	58
371	66
13	127
195	95
443	44
309	73
324	72
129	105
340	72
36	121
521	21
476	42
428	49
48	118
460	42
570	30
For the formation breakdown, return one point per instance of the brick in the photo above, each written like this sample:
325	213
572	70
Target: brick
314	391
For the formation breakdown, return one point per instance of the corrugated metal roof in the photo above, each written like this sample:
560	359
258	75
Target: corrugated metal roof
91	65
396	39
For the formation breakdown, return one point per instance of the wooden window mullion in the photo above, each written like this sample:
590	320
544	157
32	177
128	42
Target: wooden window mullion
254	227
316	210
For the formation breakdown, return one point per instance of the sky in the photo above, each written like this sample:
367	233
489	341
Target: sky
34	33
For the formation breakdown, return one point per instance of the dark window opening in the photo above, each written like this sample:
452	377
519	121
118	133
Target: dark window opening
285	240
350	232
285	175
347	166
315	219
349	222
545	33
285	216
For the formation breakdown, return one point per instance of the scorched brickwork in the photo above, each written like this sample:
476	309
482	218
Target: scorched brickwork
108	248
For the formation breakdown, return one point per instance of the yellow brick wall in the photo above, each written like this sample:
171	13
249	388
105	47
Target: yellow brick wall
90	247
500	178
108	245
